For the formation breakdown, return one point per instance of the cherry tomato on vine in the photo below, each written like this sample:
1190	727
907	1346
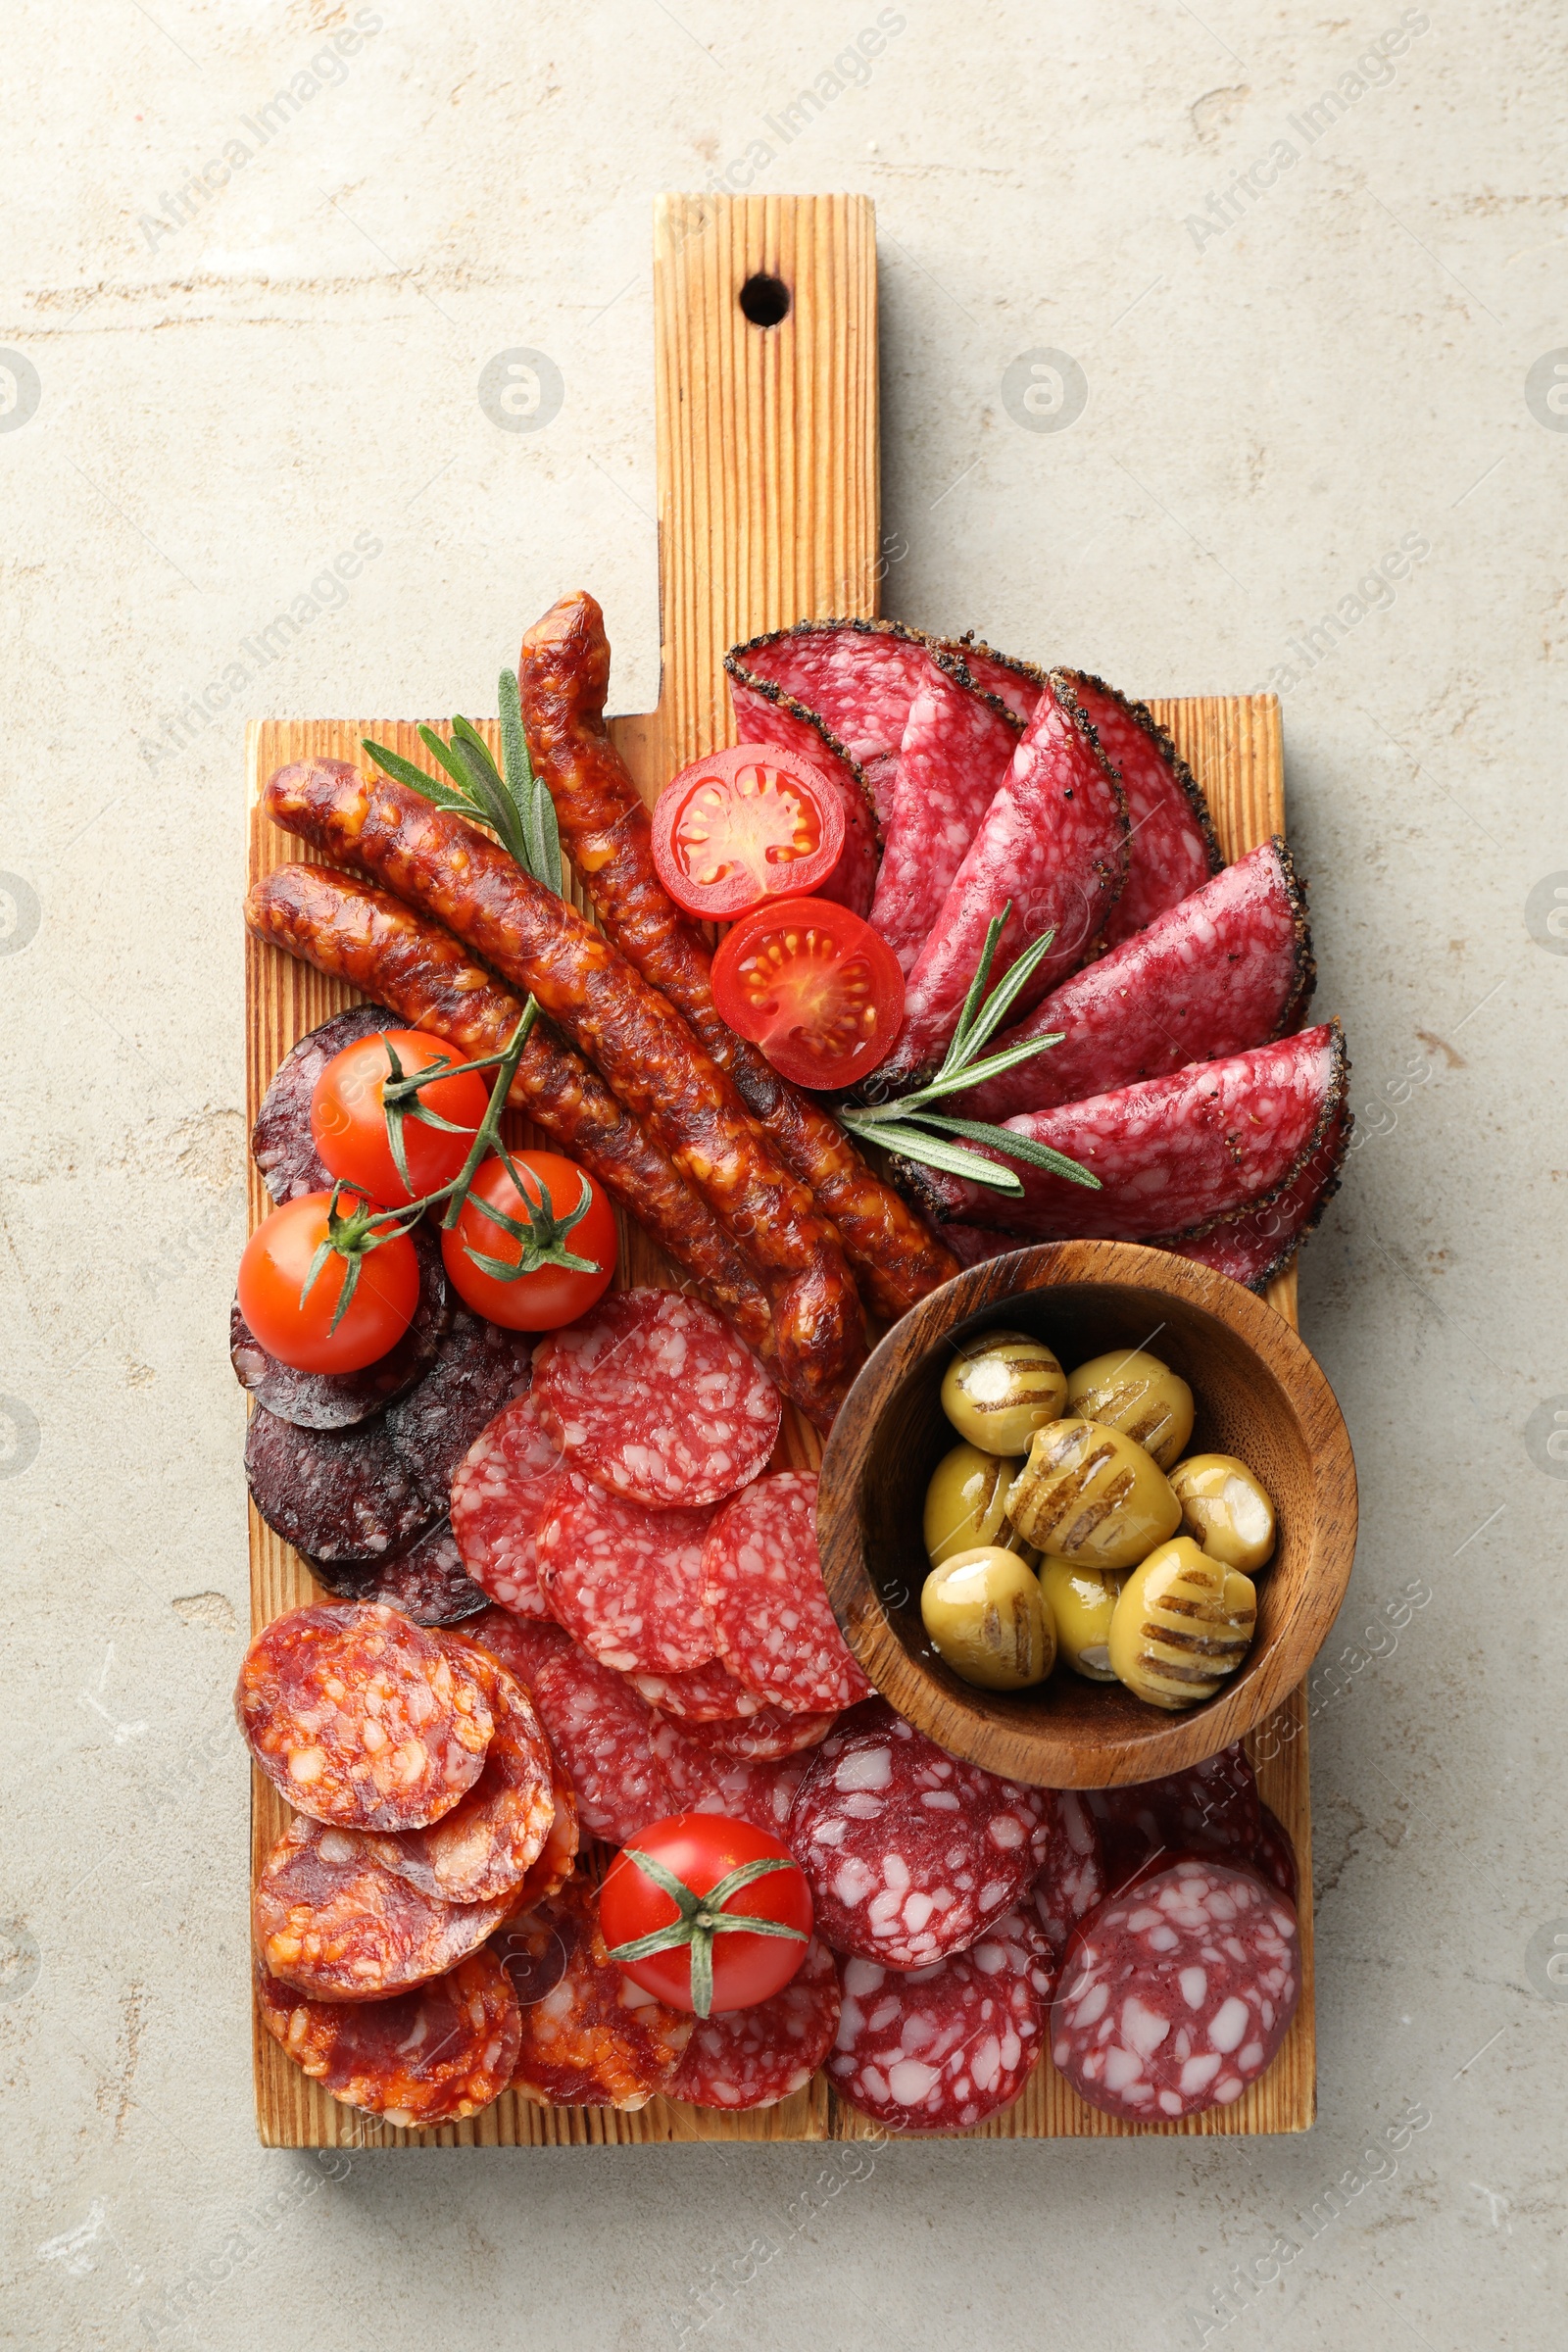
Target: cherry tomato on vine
711	1856
746	825
815	987
566	1263
349	1120
275	1267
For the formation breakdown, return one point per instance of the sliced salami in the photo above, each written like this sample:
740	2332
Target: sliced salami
1173	848
1169	1152
857	677
754	2057
941	2048
361	1718
500	1490
957	747
708	1694
1253	1244
625	1581
523	1646
764	713
553	1865
1210	1808
762	1588
1072	1879
910	1852
601	1731
702	1779
1177	1994
281	1140
341	1399
427	1583
478	1368
339	1495
1274	1856
1229	967
590	2036
332	1921
430	2056
1052	848
651	1397
486	1845
769	1733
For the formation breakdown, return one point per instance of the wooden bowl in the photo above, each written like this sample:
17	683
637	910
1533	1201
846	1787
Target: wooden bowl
1260	1394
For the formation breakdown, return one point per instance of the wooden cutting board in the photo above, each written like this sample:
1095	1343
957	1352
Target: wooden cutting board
769	512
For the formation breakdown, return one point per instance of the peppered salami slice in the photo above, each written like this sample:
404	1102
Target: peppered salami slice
1274	1854
771	1733
336	1494
940	2048
1178	1993
281	1140
1169	1152
500	1490
703	1779
754	2057
625	1581
762	1588
341	1399
764	713
361	1718
332	1921
910	1852
430	2056
523	1646
486	1845
590	2036
1073	1879
1173	848
1209	1808
957	747
706	1694
857	677
1227	968
1253	1244
601	1728
653	1397
428	1581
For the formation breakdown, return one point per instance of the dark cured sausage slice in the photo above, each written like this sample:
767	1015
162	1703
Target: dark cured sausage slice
651	1397
754	2057
340	1399
1177	1994
1228	968
332	1921
1173	848
703	1779
486	1845
478	1367
426	1582
594	2038
1169	1152
601	1731
500	1490
763	1590
625	1582
1275	1855
336	1494
939	2049
1210	1808
431	2056
360	1718
282	1144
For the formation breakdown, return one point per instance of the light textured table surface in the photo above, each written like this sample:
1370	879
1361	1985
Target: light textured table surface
213	389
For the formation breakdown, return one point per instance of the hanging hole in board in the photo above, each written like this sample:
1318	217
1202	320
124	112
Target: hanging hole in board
765	300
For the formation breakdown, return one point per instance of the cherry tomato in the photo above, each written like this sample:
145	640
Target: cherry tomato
552	1294
701	1849
744	826
272	1273
348	1122
817	987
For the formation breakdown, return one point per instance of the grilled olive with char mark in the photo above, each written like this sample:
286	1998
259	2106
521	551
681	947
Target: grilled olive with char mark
1000	1387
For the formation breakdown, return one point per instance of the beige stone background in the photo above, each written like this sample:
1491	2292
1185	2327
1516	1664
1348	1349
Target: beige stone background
207	398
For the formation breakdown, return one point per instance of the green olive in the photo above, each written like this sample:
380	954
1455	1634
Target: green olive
1224	1506
1000	1387
983	1609
966	1504
1183	1623
1088	1493
1133	1391
1081	1601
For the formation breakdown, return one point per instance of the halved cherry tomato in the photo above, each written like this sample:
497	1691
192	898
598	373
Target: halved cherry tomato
701	1849
349	1125
817	987
746	825
273	1270
550	1293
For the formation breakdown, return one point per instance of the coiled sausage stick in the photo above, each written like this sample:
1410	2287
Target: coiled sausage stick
564	672
641	1047
364	936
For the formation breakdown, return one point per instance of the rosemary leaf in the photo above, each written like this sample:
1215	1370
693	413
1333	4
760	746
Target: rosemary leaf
912	1142
417	779
1017	1147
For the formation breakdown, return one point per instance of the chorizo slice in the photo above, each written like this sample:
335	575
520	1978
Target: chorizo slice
430	2056
332	1921
590	2036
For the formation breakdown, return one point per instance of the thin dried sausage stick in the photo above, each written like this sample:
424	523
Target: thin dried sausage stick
642	1047
564	672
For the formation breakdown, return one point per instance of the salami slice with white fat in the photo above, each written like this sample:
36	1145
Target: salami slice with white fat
332	1921
626	1582
523	1646
1253	1244
702	1779
1228	968
1173	847
706	1694
764	713
430	2056
361	1718
1209	1808
1072	1881
1177	1994
427	1583
343	1400
956	746
910	1852
500	1490
857	677
771	1733
762	1588
651	1397
282	1144
1169	1152
1274	1854
486	1845
590	2036
601	1730
756	2057
941	2048
339	1495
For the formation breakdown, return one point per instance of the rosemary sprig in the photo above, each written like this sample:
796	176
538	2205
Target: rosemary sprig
509	801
